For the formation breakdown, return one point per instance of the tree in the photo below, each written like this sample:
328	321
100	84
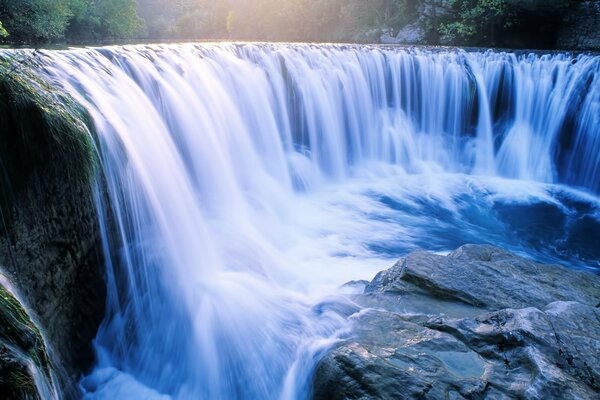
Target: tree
35	20
476	17
94	19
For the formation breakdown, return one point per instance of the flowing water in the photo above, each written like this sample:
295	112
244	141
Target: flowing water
247	182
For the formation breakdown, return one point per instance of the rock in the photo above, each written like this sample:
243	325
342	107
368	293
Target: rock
579	29
422	31
410	34
485	277
26	371
50	243
478	323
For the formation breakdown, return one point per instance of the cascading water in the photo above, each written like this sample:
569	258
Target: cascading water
247	182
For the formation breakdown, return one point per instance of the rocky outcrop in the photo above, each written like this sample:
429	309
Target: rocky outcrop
410	34
50	245
422	30
580	27
25	368
478	323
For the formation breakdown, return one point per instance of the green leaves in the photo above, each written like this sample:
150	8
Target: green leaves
3	32
35	20
41	21
104	19
476	18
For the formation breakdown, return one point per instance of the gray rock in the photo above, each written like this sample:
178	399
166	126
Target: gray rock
478	323
580	27
410	34
485	277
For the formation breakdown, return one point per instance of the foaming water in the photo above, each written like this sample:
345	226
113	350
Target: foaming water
246	183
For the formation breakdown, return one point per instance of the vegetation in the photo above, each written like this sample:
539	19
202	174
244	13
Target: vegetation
460	22
40	127
42	21
21	343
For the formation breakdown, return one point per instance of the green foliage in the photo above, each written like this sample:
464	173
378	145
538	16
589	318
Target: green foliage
486	21
21	342
476	17
3	32
443	21
35	20
40	127
103	19
41	21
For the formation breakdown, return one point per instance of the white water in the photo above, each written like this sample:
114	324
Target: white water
247	182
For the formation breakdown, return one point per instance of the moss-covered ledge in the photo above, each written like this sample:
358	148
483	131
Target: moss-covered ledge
49	238
26	371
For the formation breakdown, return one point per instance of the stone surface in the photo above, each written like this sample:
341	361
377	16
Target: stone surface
410	34
26	371
580	28
478	323
50	244
53	255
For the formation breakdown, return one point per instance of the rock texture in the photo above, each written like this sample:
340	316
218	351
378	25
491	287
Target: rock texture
580	29
25	368
478	323
421	31
50	245
410	34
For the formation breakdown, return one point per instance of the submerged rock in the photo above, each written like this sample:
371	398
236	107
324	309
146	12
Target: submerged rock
478	323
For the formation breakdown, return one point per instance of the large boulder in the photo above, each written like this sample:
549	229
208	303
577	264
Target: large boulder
410	34
50	245
26	370
424	29
478	323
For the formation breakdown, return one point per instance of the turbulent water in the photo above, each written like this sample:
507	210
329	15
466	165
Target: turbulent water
246	183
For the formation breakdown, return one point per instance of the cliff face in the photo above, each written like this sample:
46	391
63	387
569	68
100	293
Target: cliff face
50	246
580	29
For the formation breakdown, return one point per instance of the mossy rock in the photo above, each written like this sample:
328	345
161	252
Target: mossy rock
39	125
25	366
50	242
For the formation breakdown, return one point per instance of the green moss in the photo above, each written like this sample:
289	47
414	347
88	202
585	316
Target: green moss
41	127
21	344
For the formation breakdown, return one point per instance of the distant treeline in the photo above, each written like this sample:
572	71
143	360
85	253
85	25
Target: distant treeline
459	22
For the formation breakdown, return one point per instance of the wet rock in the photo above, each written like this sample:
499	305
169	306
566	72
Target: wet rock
26	371
50	244
485	277
478	323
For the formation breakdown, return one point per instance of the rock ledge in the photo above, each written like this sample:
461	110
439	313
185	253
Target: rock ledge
478	323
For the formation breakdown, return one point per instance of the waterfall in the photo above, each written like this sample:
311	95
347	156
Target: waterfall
246	182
